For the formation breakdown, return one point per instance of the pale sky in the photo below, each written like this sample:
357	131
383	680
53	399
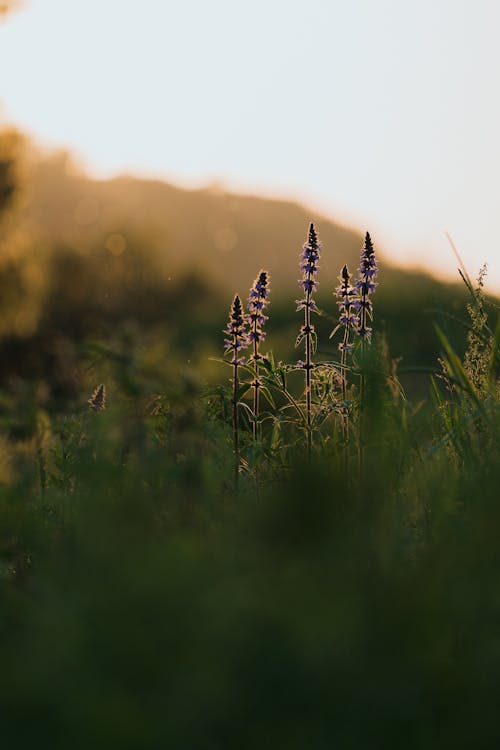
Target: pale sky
381	113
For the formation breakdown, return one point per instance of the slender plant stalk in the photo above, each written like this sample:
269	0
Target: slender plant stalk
308	367
236	422
236	341
362	386
343	369
362	382
256	383
366	286
309	267
347	320
257	302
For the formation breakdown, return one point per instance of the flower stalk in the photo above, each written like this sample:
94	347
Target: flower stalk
348	321
365	285
257	302
236	340
309	267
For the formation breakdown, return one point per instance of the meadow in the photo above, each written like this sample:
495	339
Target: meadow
282	541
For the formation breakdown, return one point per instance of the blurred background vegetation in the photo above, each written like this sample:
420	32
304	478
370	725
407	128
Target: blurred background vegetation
82	259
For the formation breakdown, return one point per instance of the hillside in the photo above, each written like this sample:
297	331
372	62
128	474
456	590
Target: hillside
223	236
84	258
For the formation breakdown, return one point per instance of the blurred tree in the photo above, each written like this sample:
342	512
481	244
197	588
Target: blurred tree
11	147
10	140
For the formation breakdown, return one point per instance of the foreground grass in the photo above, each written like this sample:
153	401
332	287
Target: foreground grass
145	604
204	570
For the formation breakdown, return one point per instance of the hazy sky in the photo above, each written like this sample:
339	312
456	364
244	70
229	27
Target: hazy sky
383	113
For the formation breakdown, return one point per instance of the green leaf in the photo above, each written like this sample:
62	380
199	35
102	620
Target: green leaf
494	354
275	435
242	390
456	369
268	396
334	331
314	341
300	338
267	364
247	409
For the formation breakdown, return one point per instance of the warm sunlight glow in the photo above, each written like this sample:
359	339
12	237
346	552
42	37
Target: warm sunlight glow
379	113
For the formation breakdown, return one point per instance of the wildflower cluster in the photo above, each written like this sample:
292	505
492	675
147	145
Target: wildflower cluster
242	331
354	302
322	380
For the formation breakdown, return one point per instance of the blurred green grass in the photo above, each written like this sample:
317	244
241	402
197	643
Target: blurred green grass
150	606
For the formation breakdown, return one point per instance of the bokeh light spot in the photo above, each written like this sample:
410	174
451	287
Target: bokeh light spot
116	244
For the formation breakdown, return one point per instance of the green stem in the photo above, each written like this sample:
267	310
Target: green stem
256	383
362	385
343	369
236	437
308	370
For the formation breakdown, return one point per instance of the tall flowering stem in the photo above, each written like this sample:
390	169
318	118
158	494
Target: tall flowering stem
348	320
309	267
365	286
236	340
257	302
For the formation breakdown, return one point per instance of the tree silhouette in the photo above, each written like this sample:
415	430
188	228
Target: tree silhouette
11	147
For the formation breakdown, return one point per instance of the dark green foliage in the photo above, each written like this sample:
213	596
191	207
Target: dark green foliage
143	605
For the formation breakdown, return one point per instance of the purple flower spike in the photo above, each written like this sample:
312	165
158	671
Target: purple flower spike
309	263
366	286
309	266
310	259
237	337
347	304
258	300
